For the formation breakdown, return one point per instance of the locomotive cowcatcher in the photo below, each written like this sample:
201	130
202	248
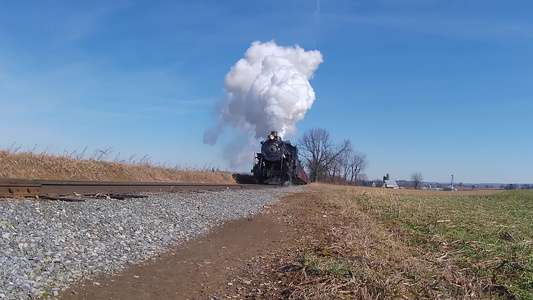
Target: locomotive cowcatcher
278	163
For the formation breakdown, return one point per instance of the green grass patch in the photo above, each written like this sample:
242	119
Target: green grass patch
323	265
492	236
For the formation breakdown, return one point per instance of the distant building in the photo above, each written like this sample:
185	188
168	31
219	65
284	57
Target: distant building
432	188
368	183
390	184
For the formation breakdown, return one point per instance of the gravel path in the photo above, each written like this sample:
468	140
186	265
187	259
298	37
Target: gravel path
47	245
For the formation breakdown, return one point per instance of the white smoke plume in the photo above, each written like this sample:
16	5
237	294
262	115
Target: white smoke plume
267	90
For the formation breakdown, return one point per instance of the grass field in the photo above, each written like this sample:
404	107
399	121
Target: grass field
417	244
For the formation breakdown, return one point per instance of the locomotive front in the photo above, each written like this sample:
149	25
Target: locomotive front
272	149
278	163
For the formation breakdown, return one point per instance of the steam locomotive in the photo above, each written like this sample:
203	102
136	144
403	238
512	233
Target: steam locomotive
278	163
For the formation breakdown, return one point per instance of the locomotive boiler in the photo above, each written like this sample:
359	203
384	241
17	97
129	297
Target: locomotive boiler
278	163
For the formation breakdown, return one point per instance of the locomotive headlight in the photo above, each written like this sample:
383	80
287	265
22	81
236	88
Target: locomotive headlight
271	137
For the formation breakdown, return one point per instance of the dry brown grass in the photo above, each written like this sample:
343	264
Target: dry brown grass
28	165
381	265
349	251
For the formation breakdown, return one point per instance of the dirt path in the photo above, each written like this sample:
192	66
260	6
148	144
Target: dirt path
209	267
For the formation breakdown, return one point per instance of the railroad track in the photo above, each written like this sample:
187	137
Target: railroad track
21	188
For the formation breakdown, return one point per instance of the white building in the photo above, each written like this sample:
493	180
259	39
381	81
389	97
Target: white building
390	184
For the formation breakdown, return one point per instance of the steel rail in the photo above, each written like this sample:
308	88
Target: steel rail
20	188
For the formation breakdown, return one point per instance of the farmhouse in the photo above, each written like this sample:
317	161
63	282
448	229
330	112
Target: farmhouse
390	184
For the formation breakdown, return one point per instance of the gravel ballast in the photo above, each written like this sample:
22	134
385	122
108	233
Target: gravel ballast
45	246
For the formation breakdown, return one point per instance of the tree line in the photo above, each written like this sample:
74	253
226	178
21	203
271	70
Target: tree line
326	161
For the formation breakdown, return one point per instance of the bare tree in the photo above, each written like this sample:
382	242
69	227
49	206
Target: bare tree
319	153
333	161
344	164
356	164
338	168
349	164
417	178
334	170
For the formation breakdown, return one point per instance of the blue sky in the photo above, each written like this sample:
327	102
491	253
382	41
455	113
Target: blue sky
436	87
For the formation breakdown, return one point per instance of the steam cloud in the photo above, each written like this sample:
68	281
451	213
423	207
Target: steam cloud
267	90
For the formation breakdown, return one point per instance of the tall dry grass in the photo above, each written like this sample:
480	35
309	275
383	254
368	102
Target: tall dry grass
27	165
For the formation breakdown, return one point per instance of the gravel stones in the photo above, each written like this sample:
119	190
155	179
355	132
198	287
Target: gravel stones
45	246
